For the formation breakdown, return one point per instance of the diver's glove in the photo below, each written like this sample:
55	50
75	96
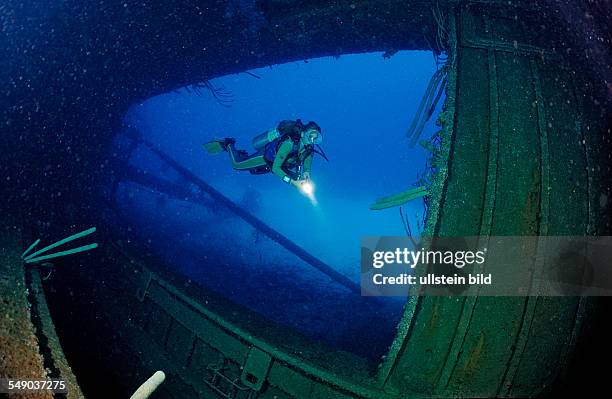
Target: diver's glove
297	183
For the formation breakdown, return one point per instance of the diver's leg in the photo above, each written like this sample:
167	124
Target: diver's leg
244	163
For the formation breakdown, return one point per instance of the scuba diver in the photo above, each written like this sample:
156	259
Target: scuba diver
286	150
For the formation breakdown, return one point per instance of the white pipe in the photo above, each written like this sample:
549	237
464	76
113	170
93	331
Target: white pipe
149	386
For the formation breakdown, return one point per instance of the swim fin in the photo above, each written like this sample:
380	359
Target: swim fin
214	146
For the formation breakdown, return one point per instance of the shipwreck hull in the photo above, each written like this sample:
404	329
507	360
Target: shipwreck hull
525	151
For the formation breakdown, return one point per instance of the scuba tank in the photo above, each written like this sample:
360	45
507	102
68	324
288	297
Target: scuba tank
261	140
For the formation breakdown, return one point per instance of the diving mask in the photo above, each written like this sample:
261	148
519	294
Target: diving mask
312	137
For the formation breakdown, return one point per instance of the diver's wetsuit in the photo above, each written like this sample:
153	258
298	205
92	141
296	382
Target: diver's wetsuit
284	156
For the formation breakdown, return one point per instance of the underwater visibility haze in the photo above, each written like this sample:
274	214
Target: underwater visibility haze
368	157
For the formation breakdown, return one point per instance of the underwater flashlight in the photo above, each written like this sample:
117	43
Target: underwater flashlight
307	188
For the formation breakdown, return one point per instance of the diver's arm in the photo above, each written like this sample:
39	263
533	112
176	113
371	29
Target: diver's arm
281	156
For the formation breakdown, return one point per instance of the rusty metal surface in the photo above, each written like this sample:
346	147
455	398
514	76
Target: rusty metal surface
19	353
28	350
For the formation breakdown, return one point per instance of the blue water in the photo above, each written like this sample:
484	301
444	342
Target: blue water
364	104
